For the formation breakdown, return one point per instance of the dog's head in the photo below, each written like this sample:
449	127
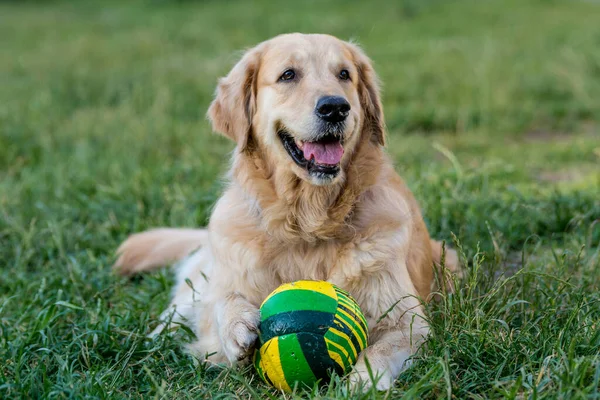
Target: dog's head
305	101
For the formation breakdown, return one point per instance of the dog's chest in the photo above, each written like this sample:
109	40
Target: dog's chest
305	261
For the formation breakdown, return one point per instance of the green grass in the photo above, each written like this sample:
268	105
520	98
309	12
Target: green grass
492	109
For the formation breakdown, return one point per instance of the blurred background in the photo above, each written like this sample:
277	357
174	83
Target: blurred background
104	102
492	108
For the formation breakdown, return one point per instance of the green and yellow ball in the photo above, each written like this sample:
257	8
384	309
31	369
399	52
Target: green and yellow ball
308	329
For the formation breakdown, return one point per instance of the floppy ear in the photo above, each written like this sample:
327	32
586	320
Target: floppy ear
369	94
234	105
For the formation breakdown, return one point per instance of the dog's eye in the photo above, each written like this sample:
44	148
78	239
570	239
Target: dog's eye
288	75
344	75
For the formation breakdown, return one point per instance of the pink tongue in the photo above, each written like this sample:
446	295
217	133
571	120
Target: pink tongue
324	153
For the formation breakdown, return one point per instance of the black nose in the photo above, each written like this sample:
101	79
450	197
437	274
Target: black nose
332	108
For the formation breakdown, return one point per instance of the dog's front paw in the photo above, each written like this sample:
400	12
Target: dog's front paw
361	379
239	331
379	365
239	342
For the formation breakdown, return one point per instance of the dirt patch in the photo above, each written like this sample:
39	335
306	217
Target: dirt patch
547	136
571	175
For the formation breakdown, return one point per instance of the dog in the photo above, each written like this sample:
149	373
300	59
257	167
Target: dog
312	195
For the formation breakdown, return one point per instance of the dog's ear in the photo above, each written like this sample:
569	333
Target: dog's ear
234	105
369	94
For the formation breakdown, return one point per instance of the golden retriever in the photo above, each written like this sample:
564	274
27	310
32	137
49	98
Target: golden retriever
311	195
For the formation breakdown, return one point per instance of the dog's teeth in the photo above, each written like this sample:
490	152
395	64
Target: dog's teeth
300	144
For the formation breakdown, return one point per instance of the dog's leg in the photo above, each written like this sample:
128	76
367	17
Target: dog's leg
388	357
227	331
395	333
237	322
392	307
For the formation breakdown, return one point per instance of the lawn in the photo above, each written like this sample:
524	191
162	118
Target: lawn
493	113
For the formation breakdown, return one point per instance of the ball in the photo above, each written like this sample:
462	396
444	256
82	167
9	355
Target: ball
308	329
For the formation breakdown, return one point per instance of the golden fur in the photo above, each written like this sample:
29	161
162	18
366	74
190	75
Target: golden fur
275	223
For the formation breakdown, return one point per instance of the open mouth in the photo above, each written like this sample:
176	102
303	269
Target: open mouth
321	157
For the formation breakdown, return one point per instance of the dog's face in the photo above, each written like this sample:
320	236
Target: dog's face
305	100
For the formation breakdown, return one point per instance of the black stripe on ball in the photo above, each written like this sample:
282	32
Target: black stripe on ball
316	355
342	327
316	322
354	316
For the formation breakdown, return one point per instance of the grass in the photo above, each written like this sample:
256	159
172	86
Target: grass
492	109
